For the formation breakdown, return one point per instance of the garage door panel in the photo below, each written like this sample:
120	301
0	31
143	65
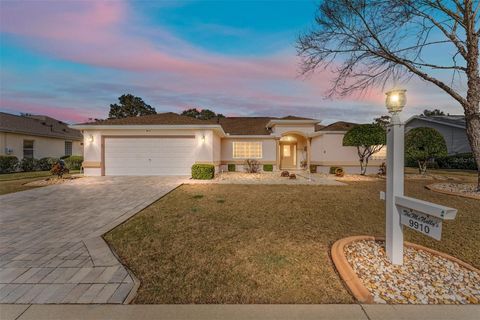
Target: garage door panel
149	156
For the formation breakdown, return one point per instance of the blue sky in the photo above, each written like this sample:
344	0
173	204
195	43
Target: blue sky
70	60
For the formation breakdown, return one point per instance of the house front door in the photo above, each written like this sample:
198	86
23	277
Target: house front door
288	156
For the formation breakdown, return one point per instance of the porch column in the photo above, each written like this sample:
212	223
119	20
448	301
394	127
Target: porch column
277	153
309	140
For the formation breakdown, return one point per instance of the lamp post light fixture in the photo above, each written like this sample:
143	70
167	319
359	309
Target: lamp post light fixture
395	101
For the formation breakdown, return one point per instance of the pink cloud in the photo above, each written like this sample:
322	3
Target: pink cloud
64	113
99	33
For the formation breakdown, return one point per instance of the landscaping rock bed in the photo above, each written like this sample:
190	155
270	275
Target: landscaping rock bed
460	189
269	178
424	278
50	181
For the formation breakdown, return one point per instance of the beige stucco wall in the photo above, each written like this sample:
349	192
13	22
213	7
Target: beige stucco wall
42	146
328	150
93	149
279	130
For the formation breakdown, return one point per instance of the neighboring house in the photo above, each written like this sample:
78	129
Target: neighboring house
36	136
169	144
451	127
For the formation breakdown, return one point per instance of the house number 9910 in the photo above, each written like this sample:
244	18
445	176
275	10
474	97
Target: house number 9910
419	226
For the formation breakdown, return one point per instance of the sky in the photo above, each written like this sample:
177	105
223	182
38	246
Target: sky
72	59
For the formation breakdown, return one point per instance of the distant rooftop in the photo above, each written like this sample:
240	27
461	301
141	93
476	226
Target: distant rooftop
37	125
451	120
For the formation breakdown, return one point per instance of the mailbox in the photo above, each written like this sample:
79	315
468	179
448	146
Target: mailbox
432	209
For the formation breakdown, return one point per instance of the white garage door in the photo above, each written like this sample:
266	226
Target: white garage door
149	156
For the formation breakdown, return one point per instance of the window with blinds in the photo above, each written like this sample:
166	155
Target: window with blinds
247	150
68	148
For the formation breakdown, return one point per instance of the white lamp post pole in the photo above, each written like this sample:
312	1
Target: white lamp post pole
396	100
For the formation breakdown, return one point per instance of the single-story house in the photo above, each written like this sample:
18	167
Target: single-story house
451	127
37	136
169	144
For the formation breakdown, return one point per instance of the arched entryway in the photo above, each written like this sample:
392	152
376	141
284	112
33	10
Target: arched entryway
293	151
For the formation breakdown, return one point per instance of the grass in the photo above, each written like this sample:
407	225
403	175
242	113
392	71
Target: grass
267	243
14	182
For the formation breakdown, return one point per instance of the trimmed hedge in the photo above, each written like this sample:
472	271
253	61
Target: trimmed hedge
8	164
28	164
464	161
268	167
231	167
73	162
203	171
46	164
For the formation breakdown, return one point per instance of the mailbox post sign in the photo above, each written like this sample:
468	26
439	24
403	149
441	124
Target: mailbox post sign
422	216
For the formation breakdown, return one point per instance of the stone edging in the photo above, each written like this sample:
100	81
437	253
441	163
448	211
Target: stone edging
432	188
353	282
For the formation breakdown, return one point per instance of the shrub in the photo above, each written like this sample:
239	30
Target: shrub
292	176
423	145
339	172
64	157
285	174
313	168
252	166
369	139
46	164
268	167
382	170
231	167
8	164
74	162
203	171
463	161
28	164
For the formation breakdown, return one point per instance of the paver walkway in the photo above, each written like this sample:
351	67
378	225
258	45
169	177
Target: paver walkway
51	250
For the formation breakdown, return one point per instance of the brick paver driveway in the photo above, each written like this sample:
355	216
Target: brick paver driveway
51	250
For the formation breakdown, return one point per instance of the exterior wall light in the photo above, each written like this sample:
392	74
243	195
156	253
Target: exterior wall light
203	138
396	100
90	138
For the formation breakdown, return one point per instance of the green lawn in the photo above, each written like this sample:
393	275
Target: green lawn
267	243
13	182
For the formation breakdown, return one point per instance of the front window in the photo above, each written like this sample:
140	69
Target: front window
28	149
247	150
68	148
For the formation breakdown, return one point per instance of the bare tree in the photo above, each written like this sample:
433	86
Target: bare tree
370	43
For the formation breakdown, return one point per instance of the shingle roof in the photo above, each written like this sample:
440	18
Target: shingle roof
295	118
231	125
455	120
339	126
245	125
37	125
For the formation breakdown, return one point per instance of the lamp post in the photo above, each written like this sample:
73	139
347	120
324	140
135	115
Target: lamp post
395	101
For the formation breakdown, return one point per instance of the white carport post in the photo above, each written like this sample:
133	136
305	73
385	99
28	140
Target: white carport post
395	180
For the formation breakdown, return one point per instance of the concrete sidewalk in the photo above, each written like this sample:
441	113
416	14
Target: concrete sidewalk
217	312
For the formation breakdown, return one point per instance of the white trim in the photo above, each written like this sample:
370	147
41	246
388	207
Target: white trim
292	122
239	136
